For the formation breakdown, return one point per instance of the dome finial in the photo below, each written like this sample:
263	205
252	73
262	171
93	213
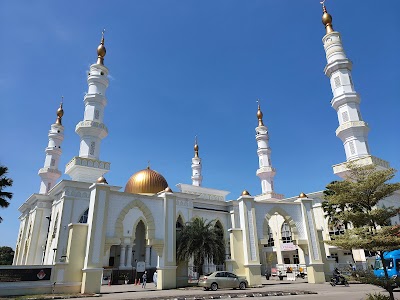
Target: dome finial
259	114
101	50
60	112
326	18
148	165
196	147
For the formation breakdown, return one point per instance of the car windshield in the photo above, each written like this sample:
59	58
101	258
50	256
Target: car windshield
379	265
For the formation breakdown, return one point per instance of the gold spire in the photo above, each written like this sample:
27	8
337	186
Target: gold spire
101	179
101	50
259	114
326	19
196	148
60	112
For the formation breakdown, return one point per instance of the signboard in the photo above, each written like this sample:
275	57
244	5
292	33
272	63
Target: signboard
288	247
14	275
140	266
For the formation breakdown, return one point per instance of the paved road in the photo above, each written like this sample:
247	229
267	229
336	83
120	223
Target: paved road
324	291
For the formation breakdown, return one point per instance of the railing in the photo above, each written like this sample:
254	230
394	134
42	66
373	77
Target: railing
282	269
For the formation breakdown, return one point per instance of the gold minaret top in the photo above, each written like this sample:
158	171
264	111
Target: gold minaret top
326	19
60	113
259	115
101	50
196	148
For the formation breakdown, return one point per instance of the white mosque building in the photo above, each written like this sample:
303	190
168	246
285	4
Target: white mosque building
105	227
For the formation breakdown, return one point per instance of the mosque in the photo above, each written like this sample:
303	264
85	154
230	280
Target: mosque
104	227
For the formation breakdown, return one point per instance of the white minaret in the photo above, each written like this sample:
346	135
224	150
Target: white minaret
196	166
352	130
87	166
265	172
50	173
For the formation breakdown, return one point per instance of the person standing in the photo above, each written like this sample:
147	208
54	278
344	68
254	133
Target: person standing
144	279
155	278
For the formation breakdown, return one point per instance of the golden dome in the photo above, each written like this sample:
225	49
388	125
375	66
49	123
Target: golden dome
60	113
101	50
302	195
146	181
259	115
327	20
245	193
101	179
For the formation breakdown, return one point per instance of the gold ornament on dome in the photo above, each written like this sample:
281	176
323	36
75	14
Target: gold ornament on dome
302	195
101	179
196	148
101	50
60	112
168	190
326	18
259	114
146	181
245	193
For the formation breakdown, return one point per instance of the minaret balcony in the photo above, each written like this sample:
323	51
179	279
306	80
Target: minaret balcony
47	170
53	150
345	98
342	170
91	128
86	169
97	98
267	170
337	65
352	128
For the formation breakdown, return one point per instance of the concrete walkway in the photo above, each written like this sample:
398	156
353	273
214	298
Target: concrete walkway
284	289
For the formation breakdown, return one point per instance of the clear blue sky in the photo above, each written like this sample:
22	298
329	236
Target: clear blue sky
186	68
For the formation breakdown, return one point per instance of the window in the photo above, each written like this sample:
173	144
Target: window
84	217
53	162
337	81
352	149
55	228
345	116
286	233
336	229
270	235
296	259
92	146
96	114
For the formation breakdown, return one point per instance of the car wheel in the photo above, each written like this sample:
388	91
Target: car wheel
214	286
242	285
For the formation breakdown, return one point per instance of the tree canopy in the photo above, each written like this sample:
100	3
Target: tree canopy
4	183
357	202
6	255
201	240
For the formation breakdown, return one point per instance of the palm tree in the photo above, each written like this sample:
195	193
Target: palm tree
201	240
4	183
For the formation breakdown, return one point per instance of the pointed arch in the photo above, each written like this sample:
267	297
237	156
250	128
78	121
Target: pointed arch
150	232
288	219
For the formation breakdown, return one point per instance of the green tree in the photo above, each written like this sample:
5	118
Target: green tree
201	240
355	201
6	255
4	183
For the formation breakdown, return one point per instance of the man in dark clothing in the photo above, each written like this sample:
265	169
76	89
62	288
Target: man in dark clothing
336	275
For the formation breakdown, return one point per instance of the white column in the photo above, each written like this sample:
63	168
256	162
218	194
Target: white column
122	256
196	166
147	256
87	166
129	256
50	173
266	172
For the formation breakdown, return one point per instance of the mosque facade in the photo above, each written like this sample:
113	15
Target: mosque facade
84	227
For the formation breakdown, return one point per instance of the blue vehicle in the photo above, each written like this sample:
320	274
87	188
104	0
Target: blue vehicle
392	262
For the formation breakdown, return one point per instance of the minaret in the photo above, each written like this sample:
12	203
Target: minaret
352	130
87	166
265	172
196	166
50	173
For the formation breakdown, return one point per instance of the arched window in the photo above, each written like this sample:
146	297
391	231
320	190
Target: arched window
179	224
286	233
84	217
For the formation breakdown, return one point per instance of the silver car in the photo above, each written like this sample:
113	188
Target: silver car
222	279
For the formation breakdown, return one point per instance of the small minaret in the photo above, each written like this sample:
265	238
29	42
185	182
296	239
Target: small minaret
50	173
352	130
265	172
87	166
196	166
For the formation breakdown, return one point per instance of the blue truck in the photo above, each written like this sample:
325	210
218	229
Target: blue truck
392	262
